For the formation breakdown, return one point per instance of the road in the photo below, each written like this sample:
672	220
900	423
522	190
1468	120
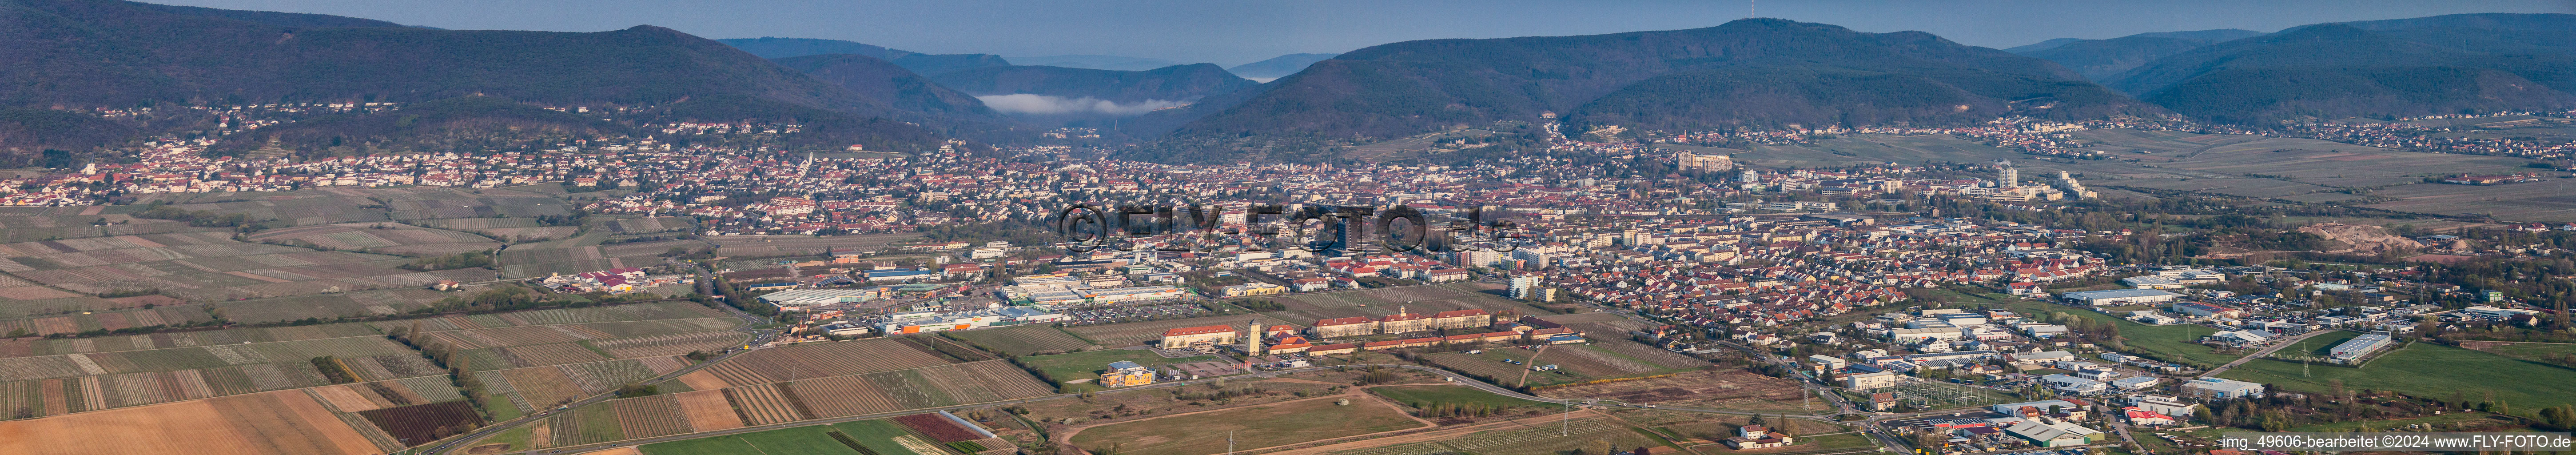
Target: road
2285	342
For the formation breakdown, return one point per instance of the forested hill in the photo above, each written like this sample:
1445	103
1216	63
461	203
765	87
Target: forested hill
2421	66
771	47
107	53
1761	73
775	47
1171	83
884	81
2103	58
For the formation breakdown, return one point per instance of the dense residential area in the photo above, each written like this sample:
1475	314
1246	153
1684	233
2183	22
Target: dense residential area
1395	228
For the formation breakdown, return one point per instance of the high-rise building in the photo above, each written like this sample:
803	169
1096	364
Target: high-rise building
1705	163
2074	189
1524	287
2007	177
1252	342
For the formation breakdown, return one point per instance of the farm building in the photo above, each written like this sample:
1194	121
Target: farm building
1757	437
2118	297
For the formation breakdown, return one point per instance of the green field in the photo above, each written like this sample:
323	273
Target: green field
2533	351
1022	340
1252	427
1087	365
877	435
2428	370
2169	341
2321	344
1419	395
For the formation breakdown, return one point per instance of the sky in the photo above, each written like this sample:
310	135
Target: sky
1232	32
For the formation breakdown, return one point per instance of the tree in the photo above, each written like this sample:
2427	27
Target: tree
1599	447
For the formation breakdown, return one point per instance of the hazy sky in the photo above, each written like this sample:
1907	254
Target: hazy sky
1234	32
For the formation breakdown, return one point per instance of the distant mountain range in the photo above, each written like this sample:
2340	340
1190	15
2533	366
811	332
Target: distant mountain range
919	63
1097	62
64	57
80	53
1759	73
885	81
2101	58
1277	67
2433	65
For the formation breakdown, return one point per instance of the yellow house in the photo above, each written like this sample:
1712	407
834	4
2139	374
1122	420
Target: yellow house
1124	373
1254	289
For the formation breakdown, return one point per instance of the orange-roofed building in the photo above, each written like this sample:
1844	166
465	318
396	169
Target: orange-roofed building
1202	338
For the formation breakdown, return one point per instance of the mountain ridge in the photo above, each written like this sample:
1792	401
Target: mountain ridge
1406	88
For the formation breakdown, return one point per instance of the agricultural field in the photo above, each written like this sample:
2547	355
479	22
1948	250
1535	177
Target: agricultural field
1535	436
2425	370
587	252
92	313
543	345
1575	363
757	246
2306	170
610	313
2552	200
1717	389
210	267
1066	368
710	409
648	225
270	423
513	230
379	238
28	224
296	208
1146	332
880	436
421	423
30	347
1023	340
1418	299
1419	396
69	383
433	203
361	303
811	360
1256	426
539	387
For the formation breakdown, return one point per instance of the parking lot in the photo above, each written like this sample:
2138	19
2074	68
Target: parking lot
1116	313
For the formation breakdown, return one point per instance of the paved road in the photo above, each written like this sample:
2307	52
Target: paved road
2285	342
